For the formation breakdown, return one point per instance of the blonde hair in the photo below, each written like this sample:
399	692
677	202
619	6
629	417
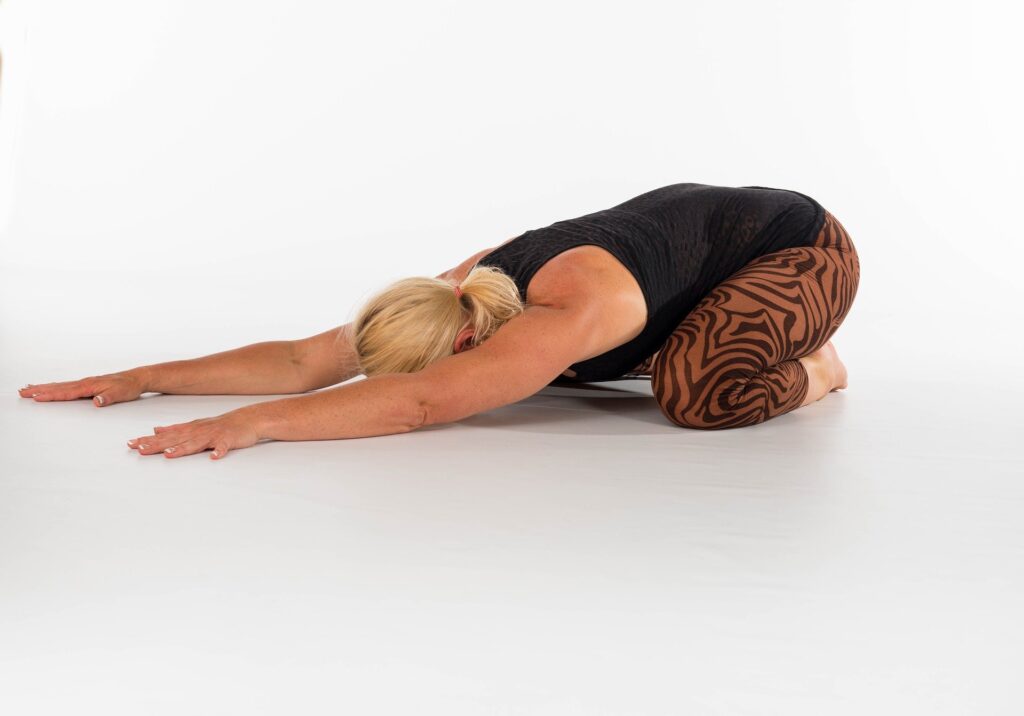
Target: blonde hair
414	321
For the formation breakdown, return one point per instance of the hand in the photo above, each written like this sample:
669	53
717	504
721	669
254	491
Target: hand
225	432
103	389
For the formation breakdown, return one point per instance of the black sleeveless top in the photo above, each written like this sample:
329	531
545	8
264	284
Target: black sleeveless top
679	242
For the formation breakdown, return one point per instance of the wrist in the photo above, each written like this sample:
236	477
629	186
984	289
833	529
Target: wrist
261	417
144	376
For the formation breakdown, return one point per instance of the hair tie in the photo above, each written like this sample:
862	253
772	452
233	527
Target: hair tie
458	291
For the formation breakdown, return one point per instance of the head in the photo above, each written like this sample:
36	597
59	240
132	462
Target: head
415	321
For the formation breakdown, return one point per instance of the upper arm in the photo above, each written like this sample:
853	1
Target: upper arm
519	359
327	358
463	268
457	270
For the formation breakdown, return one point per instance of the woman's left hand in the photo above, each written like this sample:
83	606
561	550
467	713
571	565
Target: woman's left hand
225	432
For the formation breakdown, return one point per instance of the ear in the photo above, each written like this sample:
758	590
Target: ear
464	341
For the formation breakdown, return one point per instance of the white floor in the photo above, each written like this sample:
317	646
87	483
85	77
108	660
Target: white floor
181	178
571	554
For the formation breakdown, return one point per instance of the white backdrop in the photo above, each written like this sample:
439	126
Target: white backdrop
180	178
186	177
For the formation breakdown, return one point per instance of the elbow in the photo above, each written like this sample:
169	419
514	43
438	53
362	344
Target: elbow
426	405
420	410
428	412
418	416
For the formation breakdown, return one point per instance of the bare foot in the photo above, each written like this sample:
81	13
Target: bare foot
838	368
826	361
825	372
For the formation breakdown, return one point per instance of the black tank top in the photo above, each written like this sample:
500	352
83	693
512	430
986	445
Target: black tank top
679	242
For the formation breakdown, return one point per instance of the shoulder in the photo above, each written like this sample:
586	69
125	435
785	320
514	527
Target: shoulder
459	272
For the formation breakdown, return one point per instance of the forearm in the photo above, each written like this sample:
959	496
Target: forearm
262	368
379	405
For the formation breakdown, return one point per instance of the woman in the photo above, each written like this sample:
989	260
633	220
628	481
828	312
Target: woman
725	297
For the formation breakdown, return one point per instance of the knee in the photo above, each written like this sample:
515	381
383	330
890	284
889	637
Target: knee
729	402
710	411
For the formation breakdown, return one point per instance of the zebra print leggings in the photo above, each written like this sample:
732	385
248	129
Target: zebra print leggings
733	361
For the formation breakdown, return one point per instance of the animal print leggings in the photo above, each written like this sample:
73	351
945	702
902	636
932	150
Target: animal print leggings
733	360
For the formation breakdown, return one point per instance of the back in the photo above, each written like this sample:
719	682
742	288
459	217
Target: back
679	241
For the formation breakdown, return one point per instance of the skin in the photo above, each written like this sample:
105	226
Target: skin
583	302
825	371
561	281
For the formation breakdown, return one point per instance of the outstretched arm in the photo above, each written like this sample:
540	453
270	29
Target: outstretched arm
521	358
261	368
264	368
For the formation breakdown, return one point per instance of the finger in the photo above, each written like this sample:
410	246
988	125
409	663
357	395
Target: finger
220	449
152	444
146	445
47	396
37	387
62	391
30	391
187	447
164	435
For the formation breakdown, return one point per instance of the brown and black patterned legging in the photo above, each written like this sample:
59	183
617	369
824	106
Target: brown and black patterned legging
733	361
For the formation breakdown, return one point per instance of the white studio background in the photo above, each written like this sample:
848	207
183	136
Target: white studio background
186	177
180	178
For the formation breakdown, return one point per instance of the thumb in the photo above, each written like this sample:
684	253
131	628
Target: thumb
109	392
107	396
219	450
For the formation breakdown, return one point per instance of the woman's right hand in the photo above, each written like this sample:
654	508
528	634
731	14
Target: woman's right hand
103	389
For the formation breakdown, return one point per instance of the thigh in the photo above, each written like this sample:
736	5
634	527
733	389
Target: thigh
780	307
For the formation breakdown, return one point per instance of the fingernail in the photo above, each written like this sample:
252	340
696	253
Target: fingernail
131	443
99	399
143	447
35	394
170	449
216	453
